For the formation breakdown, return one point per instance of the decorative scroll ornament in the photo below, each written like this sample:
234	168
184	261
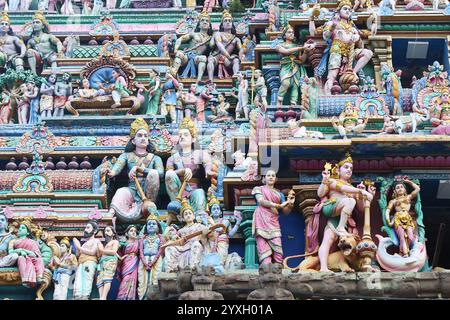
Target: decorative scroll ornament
159	136
40	140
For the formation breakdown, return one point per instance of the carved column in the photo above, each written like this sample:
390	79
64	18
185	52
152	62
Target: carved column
381	46
272	77
306	197
251	256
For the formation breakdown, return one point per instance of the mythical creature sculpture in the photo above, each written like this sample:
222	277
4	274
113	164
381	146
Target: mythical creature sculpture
12	48
145	170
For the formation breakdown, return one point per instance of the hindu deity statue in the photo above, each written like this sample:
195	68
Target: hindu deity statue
47	96
153	91
345	47
12	48
119	89
292	65
150	259
63	90
43	47
32	98
194	55
189	101
107	264
440	113
242	96
169	99
129	262
402	221
67	8
29	262
202	100
187	251
266	226
6	259
220	112
87	92
185	165
5	108
64	267
349	121
225	48
88	255
338	200
221	242
260	100
143	167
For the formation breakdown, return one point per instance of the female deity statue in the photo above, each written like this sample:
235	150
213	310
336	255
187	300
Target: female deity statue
47	96
403	223
154	93
5	108
30	263
143	167
64	267
266	227
33	97
63	90
129	262
344	47
242	97
187	252
150	259
349	122
108	262
292	69
339	199
186	164
260	91
221	242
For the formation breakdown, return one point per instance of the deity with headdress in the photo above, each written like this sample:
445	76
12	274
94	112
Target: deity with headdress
12	48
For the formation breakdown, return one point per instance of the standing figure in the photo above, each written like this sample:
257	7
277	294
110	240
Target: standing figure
30	264
403	223
189	101
88	254
150	259
143	166
43	47
111	4
108	262
154	93
339	199
12	48
202	100
87	7
63	90
169	101
65	267
67	8
51	5
129	262
242	97
33	96
221	242
260	91
47	96
25	5
13	5
7	259
23	105
345	46
5	108
266	227
292	66
186	164
349	121
226	47
195	52
187	253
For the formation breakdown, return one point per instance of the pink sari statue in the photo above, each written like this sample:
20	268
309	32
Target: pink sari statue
266	227
31	268
129	272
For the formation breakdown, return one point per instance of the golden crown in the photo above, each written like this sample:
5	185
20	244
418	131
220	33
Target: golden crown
204	14
226	14
39	15
185	206
348	159
153	216
5	16
66	241
137	125
213	200
344	3
187	123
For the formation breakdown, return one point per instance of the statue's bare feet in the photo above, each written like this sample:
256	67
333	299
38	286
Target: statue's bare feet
325	270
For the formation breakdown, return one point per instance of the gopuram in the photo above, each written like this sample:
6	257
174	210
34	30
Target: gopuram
268	149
